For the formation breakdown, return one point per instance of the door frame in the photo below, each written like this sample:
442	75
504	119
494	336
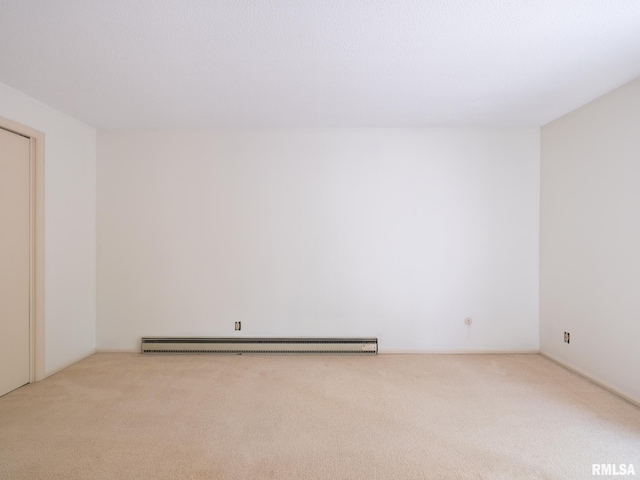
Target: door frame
36	245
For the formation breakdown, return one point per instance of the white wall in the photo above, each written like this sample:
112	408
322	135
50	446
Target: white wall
70	190
398	234
590	239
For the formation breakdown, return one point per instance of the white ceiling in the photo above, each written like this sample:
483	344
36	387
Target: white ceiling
317	63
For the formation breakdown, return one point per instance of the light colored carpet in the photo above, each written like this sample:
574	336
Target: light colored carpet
128	416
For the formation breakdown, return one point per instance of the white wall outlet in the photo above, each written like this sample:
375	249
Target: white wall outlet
238	325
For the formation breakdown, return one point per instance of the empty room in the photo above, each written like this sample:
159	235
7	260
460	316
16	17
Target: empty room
319	239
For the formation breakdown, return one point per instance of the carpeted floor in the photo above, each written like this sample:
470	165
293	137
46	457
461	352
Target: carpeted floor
128	416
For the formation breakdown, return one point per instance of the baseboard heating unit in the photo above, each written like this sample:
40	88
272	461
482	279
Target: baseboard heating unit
238	346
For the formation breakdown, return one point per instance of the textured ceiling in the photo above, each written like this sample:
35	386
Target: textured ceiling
317	63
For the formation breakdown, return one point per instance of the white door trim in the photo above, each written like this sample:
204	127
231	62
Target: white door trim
36	247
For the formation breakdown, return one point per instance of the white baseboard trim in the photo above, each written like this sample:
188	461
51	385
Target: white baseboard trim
118	350
591	378
455	351
55	370
392	351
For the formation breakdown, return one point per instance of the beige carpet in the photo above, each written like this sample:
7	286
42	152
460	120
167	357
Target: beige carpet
127	416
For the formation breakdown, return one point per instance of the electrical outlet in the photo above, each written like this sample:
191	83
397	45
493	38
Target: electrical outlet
238	325
567	337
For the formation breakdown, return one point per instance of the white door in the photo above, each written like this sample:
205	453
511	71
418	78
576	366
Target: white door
14	261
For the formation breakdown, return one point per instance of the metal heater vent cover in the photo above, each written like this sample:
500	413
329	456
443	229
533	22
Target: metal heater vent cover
235	345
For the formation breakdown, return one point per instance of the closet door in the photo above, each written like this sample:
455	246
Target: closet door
14	260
